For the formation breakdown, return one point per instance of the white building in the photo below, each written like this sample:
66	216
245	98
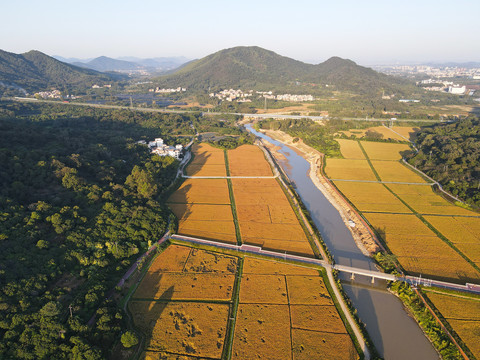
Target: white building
457	90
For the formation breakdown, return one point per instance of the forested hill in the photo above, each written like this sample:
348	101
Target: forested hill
35	71
79	201
450	153
257	68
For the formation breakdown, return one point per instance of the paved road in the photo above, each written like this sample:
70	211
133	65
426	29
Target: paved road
256	250
256	116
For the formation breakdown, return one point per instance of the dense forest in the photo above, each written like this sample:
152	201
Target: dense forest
450	153
79	200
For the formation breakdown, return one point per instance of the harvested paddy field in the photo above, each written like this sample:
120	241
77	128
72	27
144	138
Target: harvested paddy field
284	312
463	315
183	303
248	160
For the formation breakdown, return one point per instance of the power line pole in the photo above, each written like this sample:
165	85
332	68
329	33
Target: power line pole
70	307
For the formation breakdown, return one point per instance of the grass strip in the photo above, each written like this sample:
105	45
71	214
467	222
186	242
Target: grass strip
368	160
232	201
227	349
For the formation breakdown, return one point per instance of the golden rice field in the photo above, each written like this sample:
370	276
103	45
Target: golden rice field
262	332
395	171
384	151
202	191
266	218
463	315
462	231
210	262
165	305
270	267
284	311
207	161
349	169
350	149
182	328
248	160
406	131
418	248
386	132
424	201
371	197
274	289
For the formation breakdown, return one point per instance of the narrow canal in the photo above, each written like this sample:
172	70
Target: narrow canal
395	334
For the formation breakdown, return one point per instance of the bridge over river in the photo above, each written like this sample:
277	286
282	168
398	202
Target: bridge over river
303	260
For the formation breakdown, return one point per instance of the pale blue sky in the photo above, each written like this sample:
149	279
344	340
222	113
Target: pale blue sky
366	31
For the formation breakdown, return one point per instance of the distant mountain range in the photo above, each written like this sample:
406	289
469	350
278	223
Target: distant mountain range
257	68
33	71
127	64
239	67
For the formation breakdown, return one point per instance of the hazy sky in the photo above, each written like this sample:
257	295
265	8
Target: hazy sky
366	31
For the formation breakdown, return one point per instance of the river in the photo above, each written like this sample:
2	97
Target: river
394	333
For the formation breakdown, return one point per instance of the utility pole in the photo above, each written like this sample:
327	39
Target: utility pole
70	307
131	102
265	103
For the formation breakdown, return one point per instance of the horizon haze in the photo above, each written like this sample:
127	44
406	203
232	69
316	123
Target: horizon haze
367	33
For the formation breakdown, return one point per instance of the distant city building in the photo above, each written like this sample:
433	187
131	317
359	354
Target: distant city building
457	90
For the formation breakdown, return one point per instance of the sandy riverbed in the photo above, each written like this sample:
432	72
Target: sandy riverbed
360	232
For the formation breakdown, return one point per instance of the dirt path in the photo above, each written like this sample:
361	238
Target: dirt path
363	236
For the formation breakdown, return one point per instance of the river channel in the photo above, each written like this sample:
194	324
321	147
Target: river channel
394	333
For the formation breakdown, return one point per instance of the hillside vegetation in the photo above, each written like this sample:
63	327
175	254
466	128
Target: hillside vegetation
257	68
450	153
34	71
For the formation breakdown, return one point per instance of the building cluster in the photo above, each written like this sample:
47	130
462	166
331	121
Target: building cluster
241	96
106	86
231	95
54	94
167	91
432	71
448	86
158	147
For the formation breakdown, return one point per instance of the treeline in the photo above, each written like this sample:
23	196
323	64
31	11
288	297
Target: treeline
450	153
79	199
320	137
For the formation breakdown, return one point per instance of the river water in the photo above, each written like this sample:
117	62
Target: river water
394	333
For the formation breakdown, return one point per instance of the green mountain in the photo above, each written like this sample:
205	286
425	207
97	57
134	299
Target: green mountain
257	68
34	71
